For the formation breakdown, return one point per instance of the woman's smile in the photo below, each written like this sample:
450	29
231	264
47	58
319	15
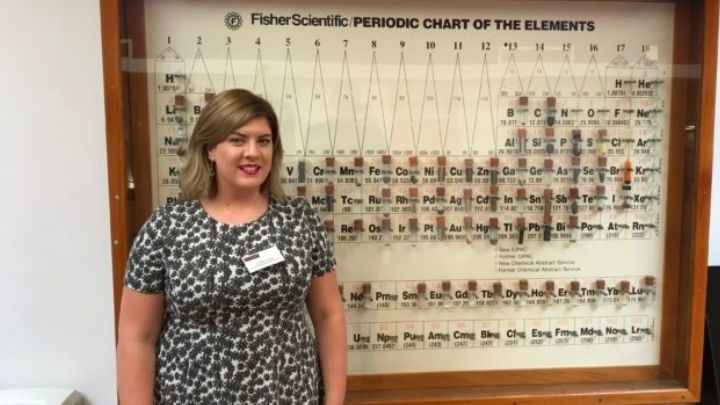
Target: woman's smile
250	169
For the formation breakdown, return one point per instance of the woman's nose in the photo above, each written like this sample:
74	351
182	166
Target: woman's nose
252	148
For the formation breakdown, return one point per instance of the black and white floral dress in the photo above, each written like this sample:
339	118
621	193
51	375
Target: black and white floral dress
230	336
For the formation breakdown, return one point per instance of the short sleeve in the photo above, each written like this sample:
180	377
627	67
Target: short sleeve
145	271
321	254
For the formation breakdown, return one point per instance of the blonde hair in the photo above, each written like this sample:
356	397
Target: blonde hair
225	113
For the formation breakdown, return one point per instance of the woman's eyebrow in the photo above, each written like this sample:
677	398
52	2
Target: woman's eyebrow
238	132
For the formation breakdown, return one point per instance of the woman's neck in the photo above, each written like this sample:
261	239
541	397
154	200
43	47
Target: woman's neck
238	207
240	198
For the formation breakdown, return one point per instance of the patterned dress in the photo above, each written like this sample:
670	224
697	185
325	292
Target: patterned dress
230	336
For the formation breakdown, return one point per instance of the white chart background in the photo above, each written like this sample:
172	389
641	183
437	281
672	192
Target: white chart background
370	91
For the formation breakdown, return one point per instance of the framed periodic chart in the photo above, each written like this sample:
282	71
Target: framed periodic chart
513	189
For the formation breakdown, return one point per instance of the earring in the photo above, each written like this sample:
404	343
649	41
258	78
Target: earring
212	168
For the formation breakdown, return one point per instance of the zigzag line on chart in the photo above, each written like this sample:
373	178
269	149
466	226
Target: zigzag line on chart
312	124
535	86
406	99
191	86
565	83
281	114
169	53
431	85
510	80
457	78
259	73
345	72
592	79
428	129
229	68
485	99
619	61
645	63
374	73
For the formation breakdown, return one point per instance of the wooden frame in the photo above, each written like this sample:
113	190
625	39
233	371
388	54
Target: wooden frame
677	378
114	130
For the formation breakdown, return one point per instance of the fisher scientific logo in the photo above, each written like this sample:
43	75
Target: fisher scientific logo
233	21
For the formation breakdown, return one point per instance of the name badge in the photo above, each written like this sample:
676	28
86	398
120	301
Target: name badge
262	259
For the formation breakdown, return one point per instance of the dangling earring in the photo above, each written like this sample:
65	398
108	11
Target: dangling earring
212	168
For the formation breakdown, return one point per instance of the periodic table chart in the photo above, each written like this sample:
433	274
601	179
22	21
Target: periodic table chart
491	174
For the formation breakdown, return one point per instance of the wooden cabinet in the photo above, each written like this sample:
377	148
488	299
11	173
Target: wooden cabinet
601	112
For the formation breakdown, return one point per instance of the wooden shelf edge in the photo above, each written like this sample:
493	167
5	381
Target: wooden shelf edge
638	392
496	378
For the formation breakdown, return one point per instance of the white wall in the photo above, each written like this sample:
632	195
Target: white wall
56	313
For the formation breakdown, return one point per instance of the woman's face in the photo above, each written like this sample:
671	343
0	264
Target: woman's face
243	160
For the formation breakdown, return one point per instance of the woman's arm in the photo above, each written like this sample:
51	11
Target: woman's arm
325	308
141	317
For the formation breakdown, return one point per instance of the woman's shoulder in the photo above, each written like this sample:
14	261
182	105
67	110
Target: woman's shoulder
174	210
181	205
294	206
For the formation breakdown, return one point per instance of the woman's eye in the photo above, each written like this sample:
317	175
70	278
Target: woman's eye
265	142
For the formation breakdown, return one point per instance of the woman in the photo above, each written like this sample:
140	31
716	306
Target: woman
216	284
